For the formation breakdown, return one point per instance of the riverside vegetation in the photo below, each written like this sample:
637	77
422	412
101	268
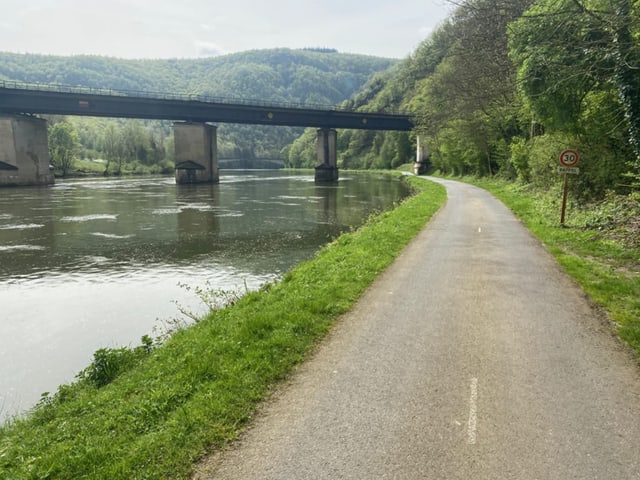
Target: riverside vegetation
153	410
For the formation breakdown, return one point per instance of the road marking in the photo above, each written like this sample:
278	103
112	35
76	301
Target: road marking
473	413
479	229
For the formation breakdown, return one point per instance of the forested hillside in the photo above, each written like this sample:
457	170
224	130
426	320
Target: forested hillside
307	76
502	87
281	75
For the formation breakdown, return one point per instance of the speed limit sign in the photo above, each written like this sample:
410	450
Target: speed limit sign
569	158
568	161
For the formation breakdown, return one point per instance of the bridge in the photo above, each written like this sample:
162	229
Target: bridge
23	138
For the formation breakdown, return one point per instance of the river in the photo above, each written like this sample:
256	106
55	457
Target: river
93	263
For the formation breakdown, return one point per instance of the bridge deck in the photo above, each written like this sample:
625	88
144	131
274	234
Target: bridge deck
15	100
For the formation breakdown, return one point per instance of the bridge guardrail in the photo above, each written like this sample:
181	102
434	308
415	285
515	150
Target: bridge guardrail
196	97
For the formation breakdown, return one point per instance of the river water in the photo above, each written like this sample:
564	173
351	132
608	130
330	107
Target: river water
96	263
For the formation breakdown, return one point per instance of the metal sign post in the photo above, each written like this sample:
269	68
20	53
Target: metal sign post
564	199
568	161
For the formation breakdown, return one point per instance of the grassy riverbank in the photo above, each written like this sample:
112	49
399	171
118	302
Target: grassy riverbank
152	411
98	168
599	246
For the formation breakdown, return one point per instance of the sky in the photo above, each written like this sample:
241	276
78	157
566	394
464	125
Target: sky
204	28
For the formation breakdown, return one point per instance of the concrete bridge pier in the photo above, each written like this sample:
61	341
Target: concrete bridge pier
196	152
24	151
422	160
327	168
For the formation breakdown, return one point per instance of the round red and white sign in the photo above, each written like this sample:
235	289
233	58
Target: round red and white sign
569	158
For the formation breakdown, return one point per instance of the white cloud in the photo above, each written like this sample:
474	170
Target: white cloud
165	28
208	49
207	28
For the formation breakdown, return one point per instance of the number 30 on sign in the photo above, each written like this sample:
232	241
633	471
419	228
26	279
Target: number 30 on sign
569	158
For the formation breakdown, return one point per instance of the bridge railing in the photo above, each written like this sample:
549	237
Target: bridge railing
61	88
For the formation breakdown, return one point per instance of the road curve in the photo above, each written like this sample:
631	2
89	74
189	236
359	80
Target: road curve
472	357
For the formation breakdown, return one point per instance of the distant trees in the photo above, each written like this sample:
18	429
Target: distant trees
63	146
459	84
134	143
502	86
320	49
113	149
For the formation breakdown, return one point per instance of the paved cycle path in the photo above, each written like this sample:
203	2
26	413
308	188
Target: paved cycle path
472	357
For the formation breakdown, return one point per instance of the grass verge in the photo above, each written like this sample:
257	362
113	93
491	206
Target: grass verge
90	168
595	247
174	402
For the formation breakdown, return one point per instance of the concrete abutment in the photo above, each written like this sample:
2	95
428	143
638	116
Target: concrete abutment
24	151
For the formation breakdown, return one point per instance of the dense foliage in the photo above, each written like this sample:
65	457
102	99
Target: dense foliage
502	87
292	76
63	146
577	64
280	75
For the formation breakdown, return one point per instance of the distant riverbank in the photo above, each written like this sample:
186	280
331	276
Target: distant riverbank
98	167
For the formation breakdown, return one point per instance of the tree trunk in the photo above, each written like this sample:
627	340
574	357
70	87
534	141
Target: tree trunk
627	74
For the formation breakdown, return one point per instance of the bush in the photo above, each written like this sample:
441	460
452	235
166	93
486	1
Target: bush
108	363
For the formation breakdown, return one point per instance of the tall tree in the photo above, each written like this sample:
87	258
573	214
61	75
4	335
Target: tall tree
627	68
568	50
468	108
112	146
63	146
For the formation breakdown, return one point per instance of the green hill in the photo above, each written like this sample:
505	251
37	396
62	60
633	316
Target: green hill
277	75
283	75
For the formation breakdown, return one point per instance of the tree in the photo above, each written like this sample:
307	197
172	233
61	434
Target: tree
112	147
468	107
627	68
569	52
63	146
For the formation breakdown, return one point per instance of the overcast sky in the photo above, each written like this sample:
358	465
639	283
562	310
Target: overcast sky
199	28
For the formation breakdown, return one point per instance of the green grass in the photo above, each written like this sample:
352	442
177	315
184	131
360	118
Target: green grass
174	402
87	167
90	168
599	259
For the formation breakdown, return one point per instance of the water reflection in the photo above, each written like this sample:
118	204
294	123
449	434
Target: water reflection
96	262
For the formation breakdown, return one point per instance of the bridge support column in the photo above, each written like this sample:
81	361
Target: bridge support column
421	163
24	151
327	168
196	152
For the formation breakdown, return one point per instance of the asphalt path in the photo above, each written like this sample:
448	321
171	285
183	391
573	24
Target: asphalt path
472	357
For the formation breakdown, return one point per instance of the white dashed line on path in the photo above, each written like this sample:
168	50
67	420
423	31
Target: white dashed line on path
473	412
